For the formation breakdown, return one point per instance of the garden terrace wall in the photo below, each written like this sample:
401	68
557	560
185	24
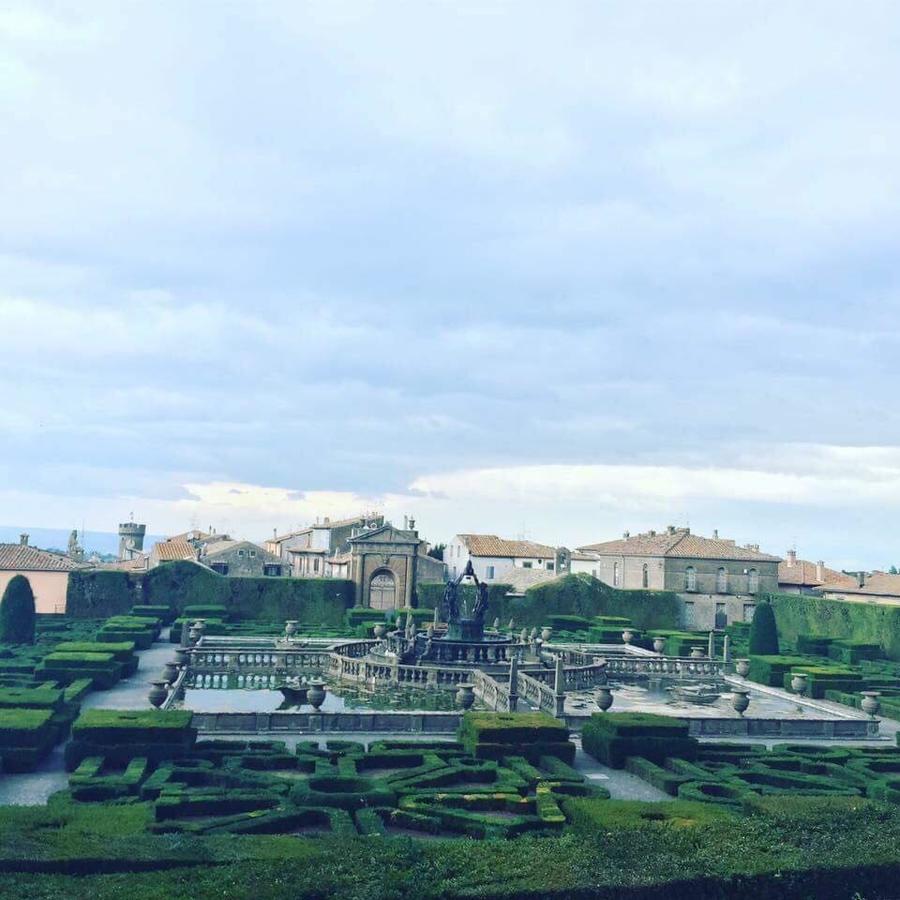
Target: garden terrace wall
865	623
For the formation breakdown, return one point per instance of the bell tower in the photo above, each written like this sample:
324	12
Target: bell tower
131	538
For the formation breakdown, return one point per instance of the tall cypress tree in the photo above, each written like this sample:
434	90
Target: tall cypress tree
763	633
17	612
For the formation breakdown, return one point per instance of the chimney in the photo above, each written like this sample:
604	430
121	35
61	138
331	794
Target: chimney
715	534
412	526
23	540
820	571
861	579
406	523
626	534
327	520
274	534
670	529
791	558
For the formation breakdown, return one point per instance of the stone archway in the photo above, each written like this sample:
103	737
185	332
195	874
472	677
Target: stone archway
383	590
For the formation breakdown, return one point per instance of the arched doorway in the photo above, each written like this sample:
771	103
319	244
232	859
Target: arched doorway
383	590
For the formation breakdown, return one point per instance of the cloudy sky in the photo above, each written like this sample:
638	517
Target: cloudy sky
553	271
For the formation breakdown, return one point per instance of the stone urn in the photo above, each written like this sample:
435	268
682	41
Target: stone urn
158	693
193	634
496	624
696	653
512	625
523	635
659	644
742	667
290	628
627	635
740	700
798	683
181	656
378	631
870	705
604	698
316	694
545	633
170	671
465	696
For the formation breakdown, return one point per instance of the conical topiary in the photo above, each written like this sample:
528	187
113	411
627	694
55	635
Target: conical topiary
17	612
763	633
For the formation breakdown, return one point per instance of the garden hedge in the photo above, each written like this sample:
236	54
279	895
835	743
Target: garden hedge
488	735
17	612
612	737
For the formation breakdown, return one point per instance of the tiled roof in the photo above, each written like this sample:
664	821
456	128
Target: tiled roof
22	558
137	564
878	584
802	572
307	550
679	543
281	538
491	545
579	556
173	549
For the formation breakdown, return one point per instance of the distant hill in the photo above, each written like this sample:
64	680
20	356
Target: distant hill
102	542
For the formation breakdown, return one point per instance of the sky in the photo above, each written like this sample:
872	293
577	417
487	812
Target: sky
553	271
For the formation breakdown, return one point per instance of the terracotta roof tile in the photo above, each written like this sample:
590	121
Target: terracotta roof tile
681	544
173	549
21	557
877	584
491	545
805	573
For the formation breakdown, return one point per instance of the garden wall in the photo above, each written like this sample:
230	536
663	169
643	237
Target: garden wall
864	622
580	595
316	601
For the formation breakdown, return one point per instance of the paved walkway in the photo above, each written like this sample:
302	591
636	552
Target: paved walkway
621	785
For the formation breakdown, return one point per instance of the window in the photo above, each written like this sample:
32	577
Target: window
690	579
615	574
753	581
722	580
316	565
489	572
721	619
526	563
749	609
550	566
240	552
272	571
221	568
593	573
252	554
645	576
689	614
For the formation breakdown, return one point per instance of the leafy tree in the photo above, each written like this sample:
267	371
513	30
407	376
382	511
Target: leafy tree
437	551
893	571
17	612
763	633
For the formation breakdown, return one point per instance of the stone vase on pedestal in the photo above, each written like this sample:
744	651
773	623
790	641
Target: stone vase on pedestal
290	628
604	698
742	667
696	653
740	700
870	705
158	693
316	694
546	633
465	696
170	672
378	631
627	635
659	644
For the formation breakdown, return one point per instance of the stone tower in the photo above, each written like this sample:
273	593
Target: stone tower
131	539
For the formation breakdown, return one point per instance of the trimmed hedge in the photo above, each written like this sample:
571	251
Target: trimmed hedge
612	737
489	735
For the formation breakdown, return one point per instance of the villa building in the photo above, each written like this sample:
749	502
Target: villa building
878	587
800	576
716	580
243	559
47	573
493	556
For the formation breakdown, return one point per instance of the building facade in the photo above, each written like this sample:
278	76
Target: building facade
383	567
492	556
242	559
877	587
717	581
47	573
800	576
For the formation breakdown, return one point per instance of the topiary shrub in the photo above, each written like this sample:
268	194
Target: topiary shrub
612	737
17	612
490	735
763	632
